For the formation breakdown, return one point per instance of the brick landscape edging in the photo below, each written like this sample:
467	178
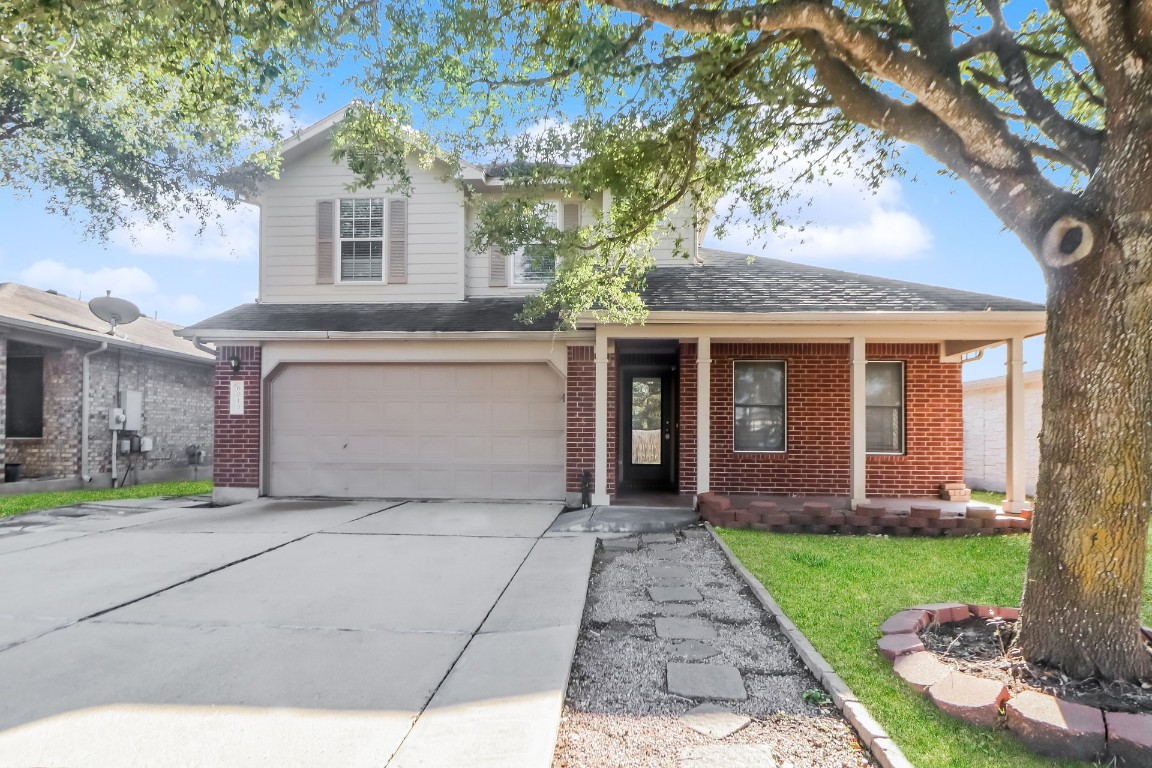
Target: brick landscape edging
922	519
1045	724
871	733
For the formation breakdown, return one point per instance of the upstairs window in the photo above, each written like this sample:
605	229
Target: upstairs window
24	397
361	229
758	418
536	264
884	406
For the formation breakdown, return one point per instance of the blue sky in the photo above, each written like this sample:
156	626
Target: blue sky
923	227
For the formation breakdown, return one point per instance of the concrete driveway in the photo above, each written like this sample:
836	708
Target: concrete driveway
290	633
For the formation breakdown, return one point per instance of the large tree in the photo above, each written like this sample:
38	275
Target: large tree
1045	112
118	110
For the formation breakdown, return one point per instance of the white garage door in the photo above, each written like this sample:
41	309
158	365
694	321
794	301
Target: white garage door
421	431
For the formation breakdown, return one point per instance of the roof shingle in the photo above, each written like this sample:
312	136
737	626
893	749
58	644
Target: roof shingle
727	283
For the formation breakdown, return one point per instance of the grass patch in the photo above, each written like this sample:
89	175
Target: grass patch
839	589
28	502
988	497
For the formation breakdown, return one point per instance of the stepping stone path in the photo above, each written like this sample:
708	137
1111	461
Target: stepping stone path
694	650
728	756
706	681
697	681
714	686
684	629
713	720
675	595
630	544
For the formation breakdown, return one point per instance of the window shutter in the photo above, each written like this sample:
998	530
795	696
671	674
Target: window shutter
325	232
571	216
397	241
497	269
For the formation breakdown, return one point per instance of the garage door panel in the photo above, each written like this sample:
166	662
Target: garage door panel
430	431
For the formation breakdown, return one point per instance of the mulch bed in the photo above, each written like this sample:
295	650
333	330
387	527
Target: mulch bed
983	647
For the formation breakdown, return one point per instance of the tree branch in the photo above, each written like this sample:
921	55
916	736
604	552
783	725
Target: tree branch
1018	196
986	138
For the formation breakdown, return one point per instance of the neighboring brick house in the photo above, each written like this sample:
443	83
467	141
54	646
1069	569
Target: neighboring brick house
384	358
46	340
986	429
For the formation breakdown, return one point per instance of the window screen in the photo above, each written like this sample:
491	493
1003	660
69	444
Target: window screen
362	239
884	403
758	400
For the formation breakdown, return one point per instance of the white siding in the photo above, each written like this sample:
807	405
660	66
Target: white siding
478	262
679	225
985	438
288	237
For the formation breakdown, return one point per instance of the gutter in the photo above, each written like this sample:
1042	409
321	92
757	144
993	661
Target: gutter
84	408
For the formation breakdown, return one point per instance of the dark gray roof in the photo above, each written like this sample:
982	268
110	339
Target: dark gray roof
470	315
728	283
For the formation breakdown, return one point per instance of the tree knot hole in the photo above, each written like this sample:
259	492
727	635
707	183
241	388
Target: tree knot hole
1066	242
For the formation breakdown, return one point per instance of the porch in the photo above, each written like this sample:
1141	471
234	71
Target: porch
664	413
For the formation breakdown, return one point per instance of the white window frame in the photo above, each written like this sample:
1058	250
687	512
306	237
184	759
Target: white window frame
784	406
903	449
338	257
513	263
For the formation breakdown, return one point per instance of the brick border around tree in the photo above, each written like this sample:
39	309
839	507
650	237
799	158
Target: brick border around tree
1046	724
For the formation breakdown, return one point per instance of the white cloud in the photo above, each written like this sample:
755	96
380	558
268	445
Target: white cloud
838	219
235	236
130	283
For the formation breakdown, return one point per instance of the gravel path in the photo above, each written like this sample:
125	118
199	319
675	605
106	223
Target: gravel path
619	711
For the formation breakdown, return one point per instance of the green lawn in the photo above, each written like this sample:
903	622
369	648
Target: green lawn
838	590
16	505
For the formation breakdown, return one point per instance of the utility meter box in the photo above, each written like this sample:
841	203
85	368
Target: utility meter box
133	404
116	419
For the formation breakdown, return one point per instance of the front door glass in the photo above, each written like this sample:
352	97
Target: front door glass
646	418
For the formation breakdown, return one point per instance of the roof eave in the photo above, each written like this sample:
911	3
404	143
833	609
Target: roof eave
226	336
96	338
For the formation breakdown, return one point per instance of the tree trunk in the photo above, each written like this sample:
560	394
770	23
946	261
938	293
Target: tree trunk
1084	586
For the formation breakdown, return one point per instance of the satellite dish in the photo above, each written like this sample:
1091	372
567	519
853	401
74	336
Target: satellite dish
114	311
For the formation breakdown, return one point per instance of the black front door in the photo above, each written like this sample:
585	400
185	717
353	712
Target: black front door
648	428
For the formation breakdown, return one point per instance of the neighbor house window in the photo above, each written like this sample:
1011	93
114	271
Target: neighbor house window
24	397
362	239
758	406
884	401
536	264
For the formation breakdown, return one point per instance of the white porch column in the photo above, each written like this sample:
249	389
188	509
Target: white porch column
1015	498
703	409
600	490
859	426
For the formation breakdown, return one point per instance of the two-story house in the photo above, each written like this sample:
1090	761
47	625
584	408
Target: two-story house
384	359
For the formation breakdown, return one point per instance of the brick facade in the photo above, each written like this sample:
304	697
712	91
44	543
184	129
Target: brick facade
580	401
818	456
237	454
176	411
934	425
687	418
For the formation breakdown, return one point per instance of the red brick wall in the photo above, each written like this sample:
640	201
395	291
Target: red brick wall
818	456
237	447
934	425
818	400
581	405
687	418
